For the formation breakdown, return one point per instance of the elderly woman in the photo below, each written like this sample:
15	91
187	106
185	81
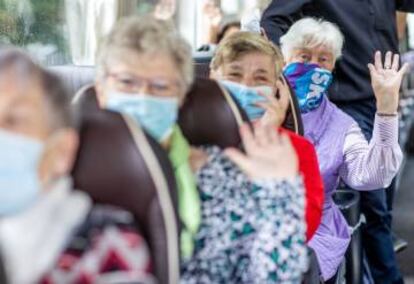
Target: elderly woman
311	48
248	226
49	232
249	65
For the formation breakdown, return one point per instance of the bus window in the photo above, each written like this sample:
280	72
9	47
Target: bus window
59	32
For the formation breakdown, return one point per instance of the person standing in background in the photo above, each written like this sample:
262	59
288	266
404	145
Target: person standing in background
368	25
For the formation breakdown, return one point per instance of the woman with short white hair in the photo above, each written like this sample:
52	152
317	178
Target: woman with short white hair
311	48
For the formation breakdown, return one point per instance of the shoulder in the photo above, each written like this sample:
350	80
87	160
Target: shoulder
341	115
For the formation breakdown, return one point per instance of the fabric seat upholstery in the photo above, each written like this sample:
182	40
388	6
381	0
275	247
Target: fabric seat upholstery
118	164
74	77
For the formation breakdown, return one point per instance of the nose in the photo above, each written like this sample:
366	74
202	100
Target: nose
144	87
314	60
248	81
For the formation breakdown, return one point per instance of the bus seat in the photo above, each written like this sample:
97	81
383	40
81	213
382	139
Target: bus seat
74	77
293	120
349	203
118	164
85	100
201	63
210	116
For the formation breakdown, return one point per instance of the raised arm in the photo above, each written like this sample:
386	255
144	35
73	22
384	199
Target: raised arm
280	15
373	165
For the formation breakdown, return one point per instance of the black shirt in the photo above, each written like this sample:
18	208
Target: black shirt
368	25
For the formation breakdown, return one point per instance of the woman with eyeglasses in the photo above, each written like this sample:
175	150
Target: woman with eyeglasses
242	213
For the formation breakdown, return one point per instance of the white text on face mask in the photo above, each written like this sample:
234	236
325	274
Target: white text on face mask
316	88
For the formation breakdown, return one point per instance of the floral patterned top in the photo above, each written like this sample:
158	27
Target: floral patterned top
250	232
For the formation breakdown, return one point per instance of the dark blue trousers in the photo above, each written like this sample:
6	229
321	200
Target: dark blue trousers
376	205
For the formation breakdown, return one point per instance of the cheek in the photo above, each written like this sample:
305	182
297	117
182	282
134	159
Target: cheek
329	65
102	90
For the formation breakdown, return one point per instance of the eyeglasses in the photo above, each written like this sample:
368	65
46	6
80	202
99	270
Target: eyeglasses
134	84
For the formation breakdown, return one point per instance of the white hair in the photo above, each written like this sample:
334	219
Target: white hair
311	33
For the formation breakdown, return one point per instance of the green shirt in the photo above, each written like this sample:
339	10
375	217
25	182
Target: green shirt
188	198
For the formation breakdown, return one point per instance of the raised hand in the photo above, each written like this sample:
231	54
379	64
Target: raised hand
212	13
386	81
269	155
165	9
274	112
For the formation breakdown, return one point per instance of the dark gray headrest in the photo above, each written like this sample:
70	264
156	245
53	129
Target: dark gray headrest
74	77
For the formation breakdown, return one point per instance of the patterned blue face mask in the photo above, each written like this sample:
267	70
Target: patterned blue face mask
156	115
19	181
310	83
247	97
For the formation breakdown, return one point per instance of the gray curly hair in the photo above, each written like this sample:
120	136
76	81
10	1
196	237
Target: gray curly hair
145	34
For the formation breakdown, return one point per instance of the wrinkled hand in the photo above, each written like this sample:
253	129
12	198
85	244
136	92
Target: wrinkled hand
275	108
386	81
212	13
269	155
274	115
165	10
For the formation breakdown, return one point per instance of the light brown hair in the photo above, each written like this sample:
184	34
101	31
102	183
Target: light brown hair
242	43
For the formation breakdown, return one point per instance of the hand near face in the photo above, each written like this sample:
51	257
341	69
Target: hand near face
273	115
269	155
386	81
275	108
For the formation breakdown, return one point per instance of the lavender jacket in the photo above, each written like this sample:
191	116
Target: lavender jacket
344	153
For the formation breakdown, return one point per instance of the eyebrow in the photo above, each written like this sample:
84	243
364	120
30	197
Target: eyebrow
261	71
235	66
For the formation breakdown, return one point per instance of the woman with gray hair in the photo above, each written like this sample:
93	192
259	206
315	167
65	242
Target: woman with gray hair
249	225
311	48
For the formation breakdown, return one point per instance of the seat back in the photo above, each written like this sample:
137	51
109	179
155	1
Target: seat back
118	164
201	63
210	116
74	77
293	120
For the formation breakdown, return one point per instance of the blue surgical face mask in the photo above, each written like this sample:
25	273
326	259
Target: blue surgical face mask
310	83
19	182
157	115
247	97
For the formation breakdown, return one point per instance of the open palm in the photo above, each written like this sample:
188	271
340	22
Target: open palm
269	155
386	81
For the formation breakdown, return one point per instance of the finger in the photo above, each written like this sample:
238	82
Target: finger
274	136
264	95
388	59
249	143
395	62
404	69
378	61
238	158
270	98
280	83
372	70
264	105
262	139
